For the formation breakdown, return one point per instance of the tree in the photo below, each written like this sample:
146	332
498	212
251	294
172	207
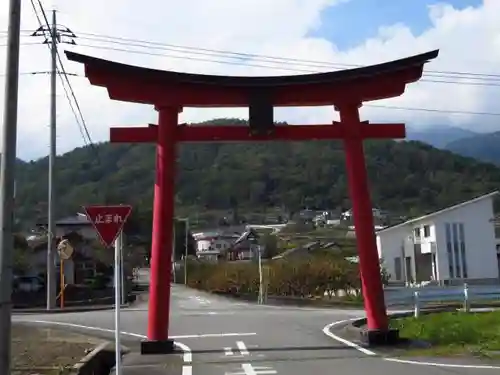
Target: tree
21	256
270	244
253	176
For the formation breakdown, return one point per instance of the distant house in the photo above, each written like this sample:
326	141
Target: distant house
245	247
453	245
83	263
377	214
214	244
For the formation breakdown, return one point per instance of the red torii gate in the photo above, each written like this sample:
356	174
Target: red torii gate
170	92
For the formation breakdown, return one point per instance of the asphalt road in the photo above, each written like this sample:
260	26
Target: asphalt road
227	337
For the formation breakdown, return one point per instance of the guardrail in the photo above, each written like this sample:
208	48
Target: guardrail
421	297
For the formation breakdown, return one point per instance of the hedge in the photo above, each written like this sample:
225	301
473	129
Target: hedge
311	277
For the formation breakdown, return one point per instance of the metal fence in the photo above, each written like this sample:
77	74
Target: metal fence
427	296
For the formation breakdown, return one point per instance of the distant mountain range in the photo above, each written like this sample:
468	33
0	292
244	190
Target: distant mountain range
438	136
481	146
484	147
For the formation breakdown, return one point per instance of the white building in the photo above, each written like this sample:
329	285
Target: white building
453	245
213	242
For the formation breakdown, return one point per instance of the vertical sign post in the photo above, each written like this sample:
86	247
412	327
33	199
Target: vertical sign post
122	268
108	222
118	286
65	251
186	232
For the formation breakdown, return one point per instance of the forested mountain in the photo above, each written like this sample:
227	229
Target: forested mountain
485	147
407	177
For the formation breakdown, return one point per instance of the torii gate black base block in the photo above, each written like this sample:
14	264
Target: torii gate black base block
375	338
157	347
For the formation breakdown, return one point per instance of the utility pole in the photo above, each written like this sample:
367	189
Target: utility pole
55	36
51	274
7	178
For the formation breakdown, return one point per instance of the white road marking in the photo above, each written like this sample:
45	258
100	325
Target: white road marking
228	351
435	364
203	301
206	335
353	345
242	348
249	369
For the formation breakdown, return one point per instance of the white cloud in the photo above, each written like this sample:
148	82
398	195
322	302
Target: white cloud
469	40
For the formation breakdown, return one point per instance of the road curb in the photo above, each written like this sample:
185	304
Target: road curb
66	310
368	352
356	327
287	301
99	361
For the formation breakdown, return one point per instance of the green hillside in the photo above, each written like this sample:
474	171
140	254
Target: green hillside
406	177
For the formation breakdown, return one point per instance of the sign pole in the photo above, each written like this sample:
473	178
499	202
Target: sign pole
118	356
108	222
61	281
186	231
174	261
122	273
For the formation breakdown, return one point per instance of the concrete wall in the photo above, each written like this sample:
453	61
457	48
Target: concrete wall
479	238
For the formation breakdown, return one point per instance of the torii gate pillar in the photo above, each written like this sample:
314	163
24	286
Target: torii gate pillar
162	239
359	192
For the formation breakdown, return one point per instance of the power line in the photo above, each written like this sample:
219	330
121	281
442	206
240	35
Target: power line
68	89
432	110
268	58
291	69
495	83
227	53
39	73
22	44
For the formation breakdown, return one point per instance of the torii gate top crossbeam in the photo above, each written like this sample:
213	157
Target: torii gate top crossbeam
167	88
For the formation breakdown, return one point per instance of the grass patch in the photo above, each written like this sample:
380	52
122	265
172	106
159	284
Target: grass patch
47	351
454	333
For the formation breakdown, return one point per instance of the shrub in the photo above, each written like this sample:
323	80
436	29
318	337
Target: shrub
307	277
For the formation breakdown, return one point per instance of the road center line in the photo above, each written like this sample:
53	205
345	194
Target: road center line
206	335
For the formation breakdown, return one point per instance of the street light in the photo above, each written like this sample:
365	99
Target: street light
186	231
261	294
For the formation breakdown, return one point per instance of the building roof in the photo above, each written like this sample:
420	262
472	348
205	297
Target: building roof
250	235
78	219
436	213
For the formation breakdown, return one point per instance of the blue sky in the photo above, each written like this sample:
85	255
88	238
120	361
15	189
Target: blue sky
351	23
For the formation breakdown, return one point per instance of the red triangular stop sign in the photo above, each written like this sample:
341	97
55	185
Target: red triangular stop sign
108	220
